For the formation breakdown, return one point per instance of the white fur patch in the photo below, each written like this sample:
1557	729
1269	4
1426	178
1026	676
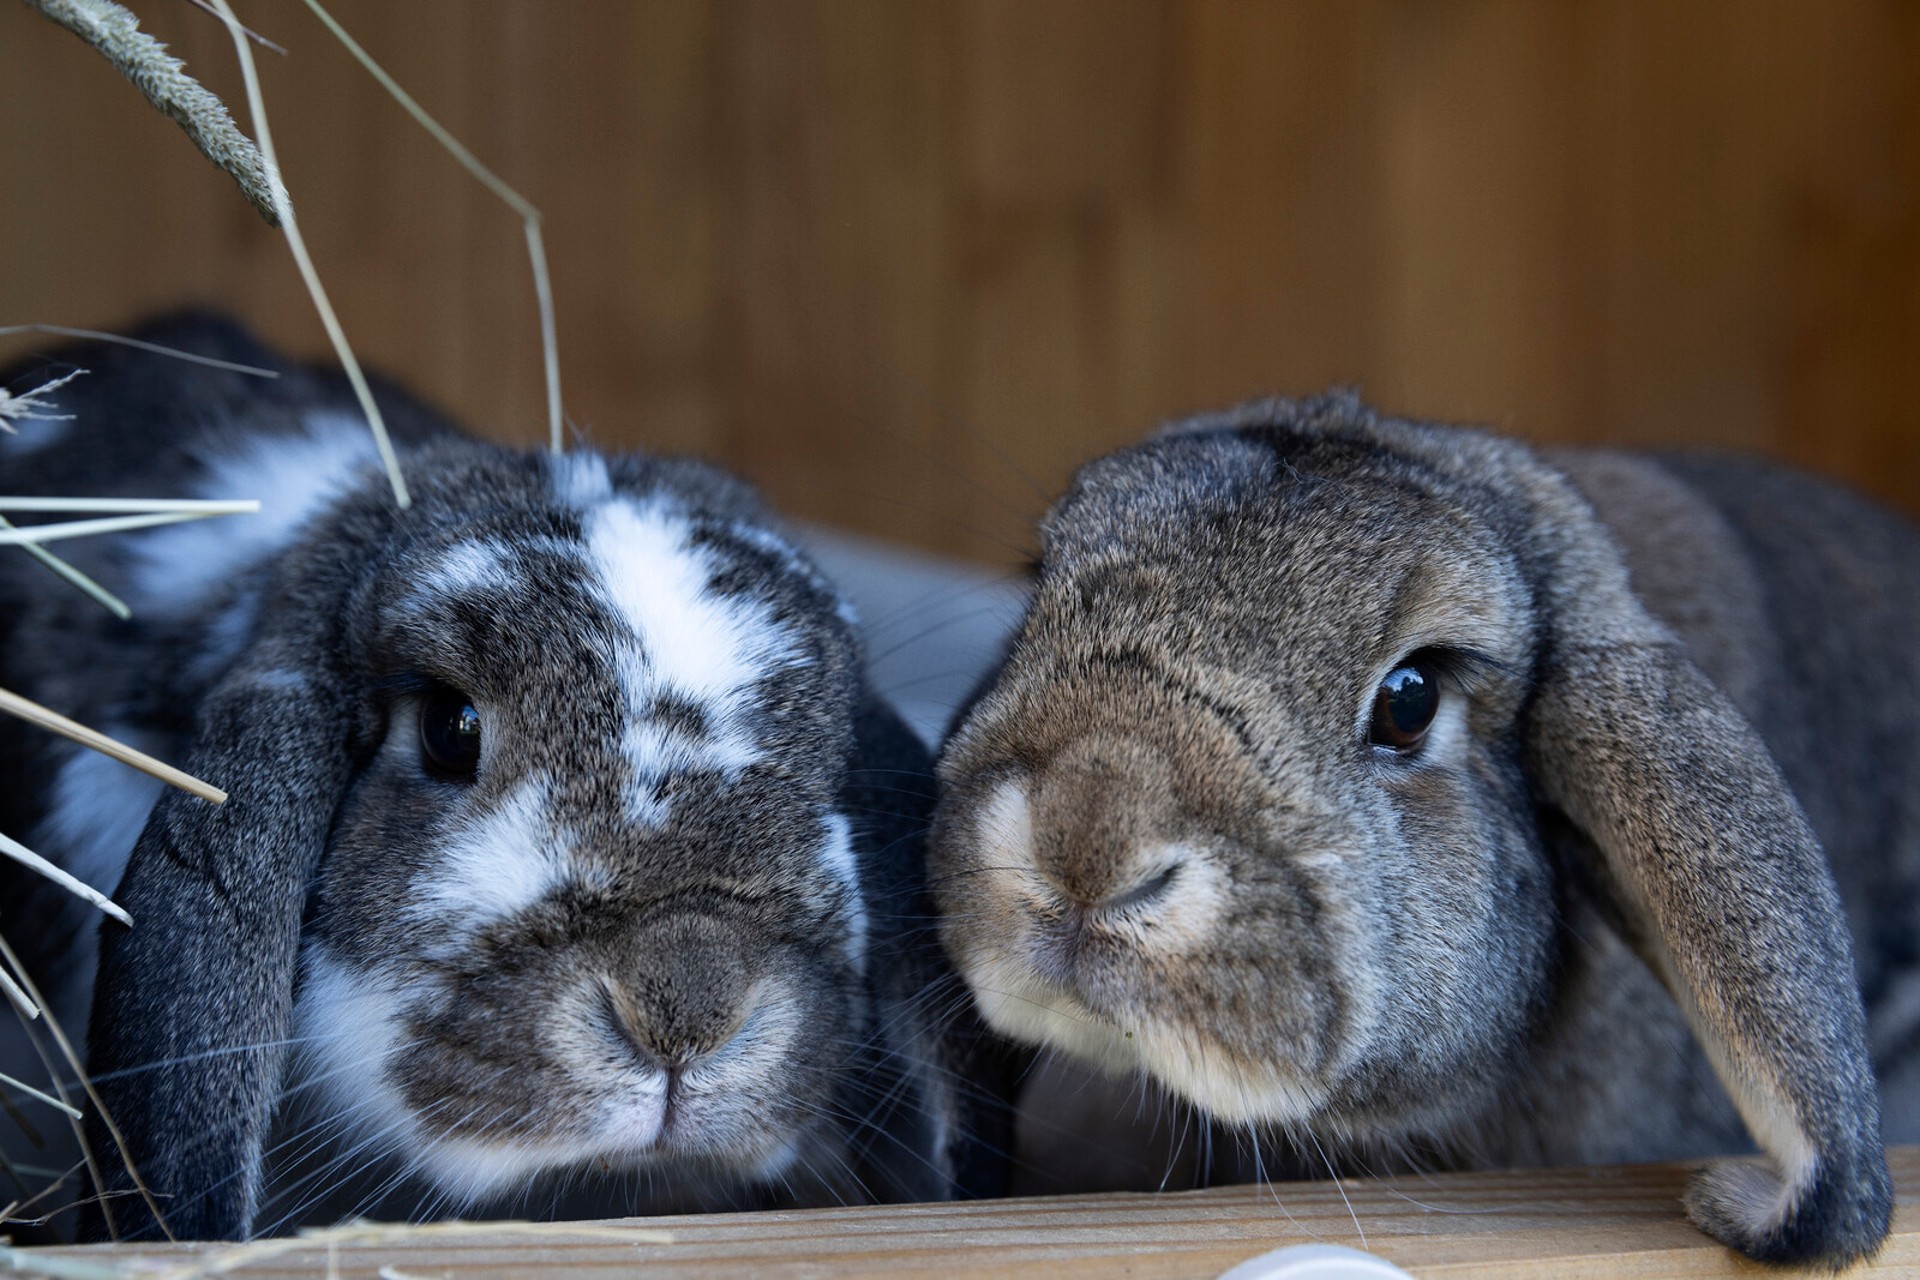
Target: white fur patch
1188	913
497	864
1013	1002
1766	1107
1006	829
293	477
692	643
838	854
466	568
346	1025
580	477
471	1170
688	643
659	750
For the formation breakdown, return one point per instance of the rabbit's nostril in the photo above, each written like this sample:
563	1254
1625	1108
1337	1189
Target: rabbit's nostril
670	1036
1145	891
627	1029
1087	899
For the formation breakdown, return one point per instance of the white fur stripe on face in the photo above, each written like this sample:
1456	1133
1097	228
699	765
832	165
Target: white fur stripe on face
692	643
293	477
498	864
688	643
466	568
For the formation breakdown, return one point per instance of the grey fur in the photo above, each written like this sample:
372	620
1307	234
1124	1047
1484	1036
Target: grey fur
710	931
1165	841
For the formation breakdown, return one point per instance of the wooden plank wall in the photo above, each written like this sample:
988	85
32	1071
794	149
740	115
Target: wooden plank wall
905	264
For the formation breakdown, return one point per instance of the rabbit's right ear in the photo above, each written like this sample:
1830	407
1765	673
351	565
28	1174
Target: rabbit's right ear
1725	890
192	1004
939	1109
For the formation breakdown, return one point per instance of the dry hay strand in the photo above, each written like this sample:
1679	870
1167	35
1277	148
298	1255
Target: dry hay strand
229	1259
114	32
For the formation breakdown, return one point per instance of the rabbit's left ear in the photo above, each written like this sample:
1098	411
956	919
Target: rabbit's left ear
192	1005
1713	866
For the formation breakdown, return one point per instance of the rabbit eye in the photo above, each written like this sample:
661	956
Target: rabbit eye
449	734
1404	707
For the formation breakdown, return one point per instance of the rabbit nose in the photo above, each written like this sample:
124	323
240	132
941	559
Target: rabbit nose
671	1035
1100	812
678	987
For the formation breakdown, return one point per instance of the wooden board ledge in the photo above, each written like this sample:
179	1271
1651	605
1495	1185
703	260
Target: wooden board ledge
1581	1223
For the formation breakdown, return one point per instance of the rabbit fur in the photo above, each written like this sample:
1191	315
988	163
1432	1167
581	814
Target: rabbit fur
670	930
1623	902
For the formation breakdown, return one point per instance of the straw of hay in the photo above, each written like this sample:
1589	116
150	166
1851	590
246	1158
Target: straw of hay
113	31
529	215
145	62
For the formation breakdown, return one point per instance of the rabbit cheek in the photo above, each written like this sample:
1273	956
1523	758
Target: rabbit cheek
1462	926
474	1094
996	918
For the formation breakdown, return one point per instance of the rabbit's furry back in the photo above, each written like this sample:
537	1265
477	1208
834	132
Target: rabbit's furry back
1169	840
666	925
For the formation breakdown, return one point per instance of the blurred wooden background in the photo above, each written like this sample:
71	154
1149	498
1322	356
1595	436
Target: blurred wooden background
905	264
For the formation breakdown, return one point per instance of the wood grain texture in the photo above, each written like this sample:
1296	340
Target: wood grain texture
1598	1223
907	265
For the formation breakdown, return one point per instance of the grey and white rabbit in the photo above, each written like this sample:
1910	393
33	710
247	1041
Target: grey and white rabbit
565	838
1451	802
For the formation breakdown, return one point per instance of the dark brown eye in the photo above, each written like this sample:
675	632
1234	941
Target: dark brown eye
449	734
1404	707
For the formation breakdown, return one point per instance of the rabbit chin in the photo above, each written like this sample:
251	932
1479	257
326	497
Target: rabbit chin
1213	1077
472	1172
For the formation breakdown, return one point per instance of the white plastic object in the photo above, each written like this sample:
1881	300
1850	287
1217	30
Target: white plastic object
1316	1262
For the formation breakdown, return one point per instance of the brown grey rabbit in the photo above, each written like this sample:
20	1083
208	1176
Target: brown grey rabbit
1418	791
567	844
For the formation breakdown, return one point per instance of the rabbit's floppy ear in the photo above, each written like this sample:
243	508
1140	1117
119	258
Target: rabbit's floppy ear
944	1125
1716	871
192	1004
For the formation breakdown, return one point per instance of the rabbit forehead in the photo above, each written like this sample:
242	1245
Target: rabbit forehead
634	618
1306	583
664	686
